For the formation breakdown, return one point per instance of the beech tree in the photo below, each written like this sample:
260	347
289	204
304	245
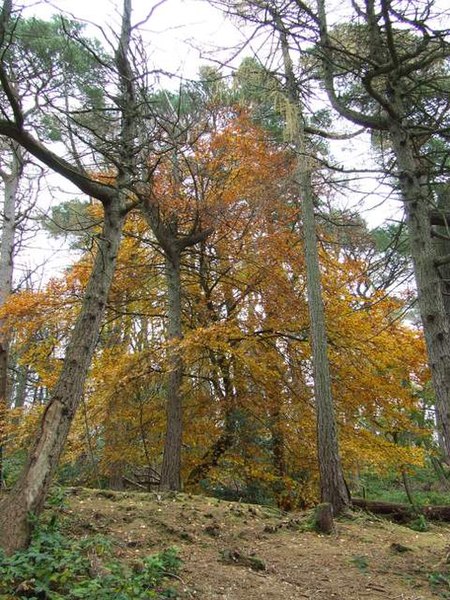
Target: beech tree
249	420
286	97
384	67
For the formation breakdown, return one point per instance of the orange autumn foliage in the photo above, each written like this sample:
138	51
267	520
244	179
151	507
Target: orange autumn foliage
246	351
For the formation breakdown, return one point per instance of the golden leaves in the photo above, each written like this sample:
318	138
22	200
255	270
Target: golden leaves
246	354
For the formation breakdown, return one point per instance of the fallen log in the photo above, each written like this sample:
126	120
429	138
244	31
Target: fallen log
403	512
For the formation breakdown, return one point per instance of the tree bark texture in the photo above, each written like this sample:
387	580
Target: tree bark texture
323	518
417	202
388	82
29	493
171	465
442	245
332	484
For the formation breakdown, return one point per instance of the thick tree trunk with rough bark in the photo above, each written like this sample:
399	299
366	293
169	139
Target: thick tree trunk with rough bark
171	465
442	245
442	248
323	518
417	202
29	493
391	81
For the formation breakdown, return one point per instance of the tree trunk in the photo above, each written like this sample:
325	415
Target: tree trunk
171	465
332	484
442	245
11	185
442	248
395	116
173	245
29	493
417	202
403	512
323	518
20	389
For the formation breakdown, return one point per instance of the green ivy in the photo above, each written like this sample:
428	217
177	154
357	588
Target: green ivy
56	567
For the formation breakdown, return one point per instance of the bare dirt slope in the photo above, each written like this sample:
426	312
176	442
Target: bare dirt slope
234	551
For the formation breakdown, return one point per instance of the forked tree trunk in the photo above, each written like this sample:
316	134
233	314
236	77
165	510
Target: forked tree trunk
173	245
29	493
171	465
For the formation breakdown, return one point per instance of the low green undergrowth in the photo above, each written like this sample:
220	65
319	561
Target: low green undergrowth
56	567
425	487
440	584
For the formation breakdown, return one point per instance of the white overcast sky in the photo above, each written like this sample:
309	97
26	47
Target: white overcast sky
180	36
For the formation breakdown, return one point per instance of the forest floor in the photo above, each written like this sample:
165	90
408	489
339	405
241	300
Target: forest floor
236	551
